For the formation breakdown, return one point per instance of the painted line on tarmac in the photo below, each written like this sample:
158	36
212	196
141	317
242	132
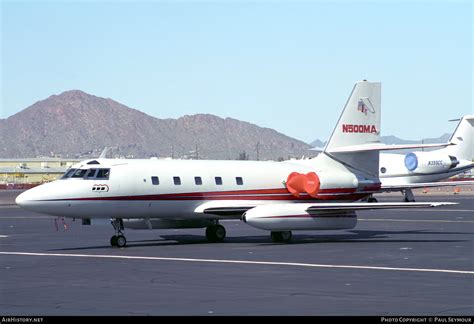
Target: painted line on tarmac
446	210
25	217
294	264
428	210
3	236
412	220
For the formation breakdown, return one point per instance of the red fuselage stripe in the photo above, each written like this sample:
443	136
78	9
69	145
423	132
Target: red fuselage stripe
256	194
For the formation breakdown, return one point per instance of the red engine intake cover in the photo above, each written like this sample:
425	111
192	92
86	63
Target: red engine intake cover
298	183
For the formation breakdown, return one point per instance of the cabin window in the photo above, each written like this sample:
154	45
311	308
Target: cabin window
103	174
218	181
383	170
177	181
198	181
155	180
239	181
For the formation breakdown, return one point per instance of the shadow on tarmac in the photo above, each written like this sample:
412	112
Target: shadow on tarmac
355	237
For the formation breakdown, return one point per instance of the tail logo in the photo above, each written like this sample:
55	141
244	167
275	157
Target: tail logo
363	108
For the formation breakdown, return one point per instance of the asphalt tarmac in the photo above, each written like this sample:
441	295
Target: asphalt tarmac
413	262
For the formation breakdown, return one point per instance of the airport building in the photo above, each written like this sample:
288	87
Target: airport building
22	173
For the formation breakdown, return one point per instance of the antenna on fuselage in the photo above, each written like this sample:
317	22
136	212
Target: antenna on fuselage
103	155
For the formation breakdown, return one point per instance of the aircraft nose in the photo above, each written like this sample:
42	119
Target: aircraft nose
42	199
27	199
21	199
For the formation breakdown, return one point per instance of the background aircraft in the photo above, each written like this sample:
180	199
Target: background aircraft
316	194
423	169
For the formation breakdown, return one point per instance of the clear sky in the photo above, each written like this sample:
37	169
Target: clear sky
288	65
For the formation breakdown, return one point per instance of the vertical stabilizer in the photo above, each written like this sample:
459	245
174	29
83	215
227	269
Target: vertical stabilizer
358	125
463	139
360	120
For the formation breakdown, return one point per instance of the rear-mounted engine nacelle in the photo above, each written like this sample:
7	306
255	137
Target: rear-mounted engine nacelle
326	183
427	162
298	183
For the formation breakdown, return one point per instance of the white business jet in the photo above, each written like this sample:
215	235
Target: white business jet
316	194
403	172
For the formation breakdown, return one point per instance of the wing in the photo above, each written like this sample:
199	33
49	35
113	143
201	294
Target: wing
369	206
234	209
226	209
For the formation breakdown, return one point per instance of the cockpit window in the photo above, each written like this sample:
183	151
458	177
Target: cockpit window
68	173
87	174
90	173
79	173
103	174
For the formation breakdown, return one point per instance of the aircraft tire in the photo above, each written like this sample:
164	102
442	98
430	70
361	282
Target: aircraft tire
219	233
372	200
215	233
121	241
276	237
113	240
210	235
281	237
286	236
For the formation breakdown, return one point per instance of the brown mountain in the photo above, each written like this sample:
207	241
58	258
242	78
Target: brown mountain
76	124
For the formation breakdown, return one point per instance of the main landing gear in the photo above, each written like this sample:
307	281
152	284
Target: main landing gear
215	233
118	239
371	199
281	237
408	195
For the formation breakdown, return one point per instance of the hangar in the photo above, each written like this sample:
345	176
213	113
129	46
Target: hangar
27	172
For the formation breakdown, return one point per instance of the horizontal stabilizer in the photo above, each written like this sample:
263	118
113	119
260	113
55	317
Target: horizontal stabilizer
385	147
427	185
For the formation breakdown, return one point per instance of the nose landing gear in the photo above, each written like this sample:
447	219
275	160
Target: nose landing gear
118	239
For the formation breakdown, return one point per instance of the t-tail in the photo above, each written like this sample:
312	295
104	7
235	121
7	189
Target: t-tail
462	139
358	129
